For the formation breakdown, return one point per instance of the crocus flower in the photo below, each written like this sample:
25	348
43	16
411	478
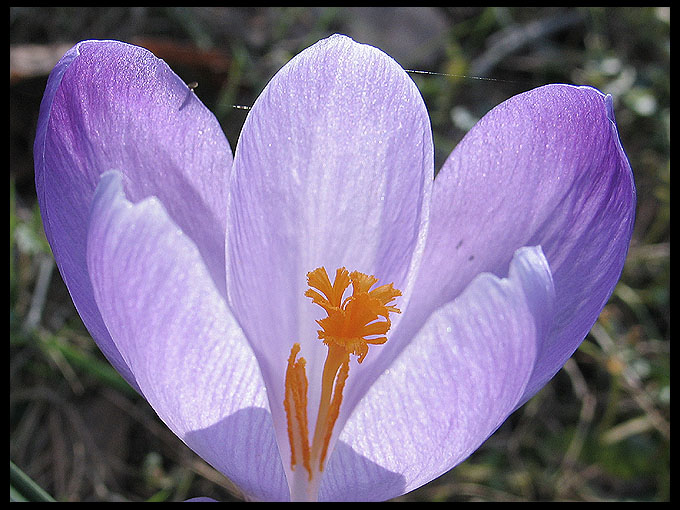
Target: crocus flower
317	316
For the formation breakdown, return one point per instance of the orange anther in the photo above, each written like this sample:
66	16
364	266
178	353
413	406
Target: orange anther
351	325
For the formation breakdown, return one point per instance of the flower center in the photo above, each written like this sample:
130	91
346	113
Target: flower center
351	325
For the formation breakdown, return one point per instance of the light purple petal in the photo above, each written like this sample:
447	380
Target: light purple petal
175	332
113	106
333	168
544	168
449	389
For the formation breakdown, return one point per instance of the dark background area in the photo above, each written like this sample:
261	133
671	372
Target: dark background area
600	430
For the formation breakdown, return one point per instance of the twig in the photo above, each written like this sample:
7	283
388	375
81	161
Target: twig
516	37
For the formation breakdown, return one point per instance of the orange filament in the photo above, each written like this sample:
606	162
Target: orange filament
351	325
335	372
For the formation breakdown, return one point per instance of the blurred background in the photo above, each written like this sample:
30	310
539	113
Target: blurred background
600	430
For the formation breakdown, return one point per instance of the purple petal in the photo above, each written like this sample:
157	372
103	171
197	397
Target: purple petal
113	106
333	168
175	332
451	388
544	168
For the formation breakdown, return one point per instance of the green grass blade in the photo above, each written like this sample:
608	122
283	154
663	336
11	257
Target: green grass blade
23	488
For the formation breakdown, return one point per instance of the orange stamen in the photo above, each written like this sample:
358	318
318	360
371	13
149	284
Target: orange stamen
295	404
351	325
